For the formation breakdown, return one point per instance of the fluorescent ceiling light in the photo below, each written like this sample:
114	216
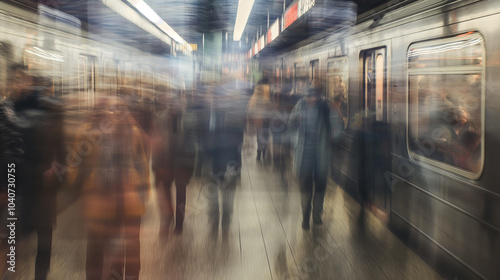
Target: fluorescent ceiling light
128	13
244	9
147	11
150	14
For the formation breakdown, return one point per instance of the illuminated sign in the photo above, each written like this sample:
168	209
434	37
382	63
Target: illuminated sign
194	47
274	31
304	6
262	42
291	14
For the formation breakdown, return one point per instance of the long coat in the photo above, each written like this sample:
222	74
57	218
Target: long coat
297	128
113	174
41	126
259	106
174	148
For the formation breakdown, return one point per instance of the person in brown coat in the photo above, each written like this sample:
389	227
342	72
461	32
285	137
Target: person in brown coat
114	179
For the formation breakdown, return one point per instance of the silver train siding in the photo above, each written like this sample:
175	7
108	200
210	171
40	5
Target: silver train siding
81	64
448	213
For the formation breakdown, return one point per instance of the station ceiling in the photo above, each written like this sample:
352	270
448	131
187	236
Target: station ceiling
189	18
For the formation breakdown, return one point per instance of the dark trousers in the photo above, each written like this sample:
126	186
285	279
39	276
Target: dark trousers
227	189
44	249
179	171
312	185
180	207
226	167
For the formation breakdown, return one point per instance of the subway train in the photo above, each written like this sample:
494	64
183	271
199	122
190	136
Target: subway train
80	65
420	100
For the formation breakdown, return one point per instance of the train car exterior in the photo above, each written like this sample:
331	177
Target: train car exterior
421	140
80	65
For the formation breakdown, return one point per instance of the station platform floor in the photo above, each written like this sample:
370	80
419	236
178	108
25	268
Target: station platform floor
265	240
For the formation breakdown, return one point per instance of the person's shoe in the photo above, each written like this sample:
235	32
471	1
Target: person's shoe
305	225
318	221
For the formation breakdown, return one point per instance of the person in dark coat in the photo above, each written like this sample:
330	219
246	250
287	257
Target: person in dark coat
174	153
310	121
226	128
41	126
11	156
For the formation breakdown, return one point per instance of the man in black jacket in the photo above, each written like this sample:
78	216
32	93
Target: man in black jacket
40	121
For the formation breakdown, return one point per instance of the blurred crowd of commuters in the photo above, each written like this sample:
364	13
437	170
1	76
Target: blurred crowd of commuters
123	144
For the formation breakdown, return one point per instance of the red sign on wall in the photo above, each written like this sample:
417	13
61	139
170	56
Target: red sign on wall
274	31
291	14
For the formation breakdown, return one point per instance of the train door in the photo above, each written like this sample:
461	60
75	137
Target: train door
86	81
375	162
108	82
313	70
299	79
47	64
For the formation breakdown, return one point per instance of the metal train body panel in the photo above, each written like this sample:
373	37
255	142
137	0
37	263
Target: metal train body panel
449	216
109	62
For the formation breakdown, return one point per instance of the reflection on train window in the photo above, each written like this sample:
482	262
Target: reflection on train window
337	83
130	82
300	83
375	83
86	80
147	84
108	82
445	95
314	70
3	72
47	66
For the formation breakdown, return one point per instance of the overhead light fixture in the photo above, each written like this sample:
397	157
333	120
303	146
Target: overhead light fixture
131	15
150	14
153	24
244	9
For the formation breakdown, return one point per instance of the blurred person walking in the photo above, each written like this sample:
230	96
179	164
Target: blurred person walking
283	104
259	109
37	123
310	120
112	176
225	138
174	154
12	151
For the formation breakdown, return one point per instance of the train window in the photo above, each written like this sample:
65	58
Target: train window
47	65
299	79
82	69
446	103
375	83
337	83
130	83
3	72
86	80
108	80
147	84
314	70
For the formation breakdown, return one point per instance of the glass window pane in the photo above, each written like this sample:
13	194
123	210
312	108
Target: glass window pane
3	73
337	84
454	53
379	87
445	110
445	118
